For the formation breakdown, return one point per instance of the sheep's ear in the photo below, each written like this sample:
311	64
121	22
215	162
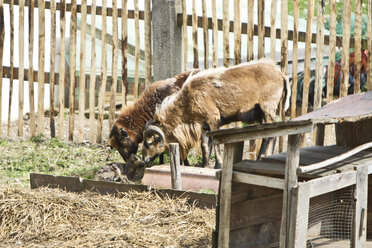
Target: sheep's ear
123	133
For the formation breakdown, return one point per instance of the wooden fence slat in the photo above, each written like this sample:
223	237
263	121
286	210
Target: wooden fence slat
226	28
296	9
102	87
92	79
319	55
261	28
250	30
115	52
2	36
369	64
273	30
40	103
237	32
52	66
344	83
11	9
215	35
195	35
137	50
309	24
205	34
184	35
148	78
284	57
61	84
358	45
83	28
21	65
124	51
71	97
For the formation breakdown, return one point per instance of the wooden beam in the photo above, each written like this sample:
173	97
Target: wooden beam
205	34
246	30
148	78
185	44
261	28
61	95
124	50
174	150
344	83
11	10
358	45
250	30
296	9
41	62
2	36
259	131
226	29
137	51
231	156
214	35
291	165
195	36
360	213
273	30
265	181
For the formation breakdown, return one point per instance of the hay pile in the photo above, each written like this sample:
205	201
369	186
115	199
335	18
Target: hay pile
54	218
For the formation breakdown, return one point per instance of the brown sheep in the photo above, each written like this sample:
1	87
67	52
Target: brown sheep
127	131
250	92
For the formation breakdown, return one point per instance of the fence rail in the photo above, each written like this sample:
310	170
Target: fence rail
116	82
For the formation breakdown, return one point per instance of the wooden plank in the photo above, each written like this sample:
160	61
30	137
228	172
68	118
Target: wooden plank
124	47
2	36
195	35
92	82
292	163
331	183
102	86
250	30
41	62
258	180
205	34
137	50
185	44
21	66
237	33
52	79
300	212
257	211
11	10
296	10
83	32
261	29
369	28
61	92
115	52
358	45
318	88
230	157
71	97
306	84
226	28
344	83
259	131
214	35
148	78
360	220
175	169
261	167
273	30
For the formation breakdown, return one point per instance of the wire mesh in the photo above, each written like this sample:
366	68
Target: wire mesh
331	219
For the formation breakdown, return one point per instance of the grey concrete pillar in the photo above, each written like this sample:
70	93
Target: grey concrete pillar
167	40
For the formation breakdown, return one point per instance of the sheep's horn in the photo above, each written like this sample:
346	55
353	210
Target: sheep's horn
152	130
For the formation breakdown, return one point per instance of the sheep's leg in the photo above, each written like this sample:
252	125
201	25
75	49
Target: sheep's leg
185	162
205	147
267	145
218	157
161	158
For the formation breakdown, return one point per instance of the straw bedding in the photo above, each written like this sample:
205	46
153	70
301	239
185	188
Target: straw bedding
53	218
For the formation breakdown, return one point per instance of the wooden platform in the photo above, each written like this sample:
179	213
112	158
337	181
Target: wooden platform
275	164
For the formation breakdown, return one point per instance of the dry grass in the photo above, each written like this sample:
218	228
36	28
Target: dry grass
54	218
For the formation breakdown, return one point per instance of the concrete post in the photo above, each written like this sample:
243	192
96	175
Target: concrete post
167	39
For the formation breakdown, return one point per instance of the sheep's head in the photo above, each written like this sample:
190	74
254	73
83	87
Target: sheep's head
153	142
124	141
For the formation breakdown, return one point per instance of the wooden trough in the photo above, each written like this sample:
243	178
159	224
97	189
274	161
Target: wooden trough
315	196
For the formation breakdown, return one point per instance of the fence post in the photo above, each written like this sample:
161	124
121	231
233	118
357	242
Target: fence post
167	39
174	151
